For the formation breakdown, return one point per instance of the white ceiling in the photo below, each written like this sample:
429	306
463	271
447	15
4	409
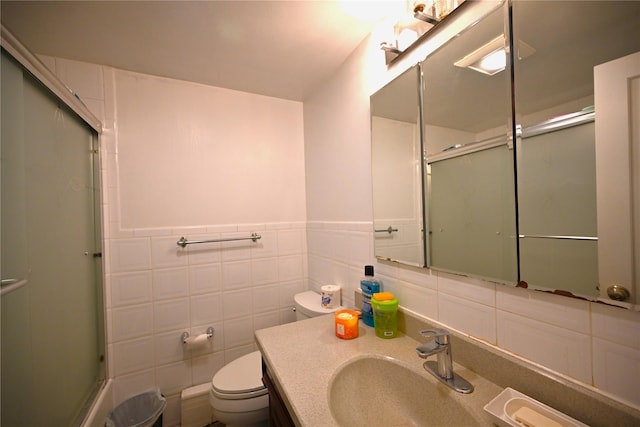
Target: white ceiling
274	48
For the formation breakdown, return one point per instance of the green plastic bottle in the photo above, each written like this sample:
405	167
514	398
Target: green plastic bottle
385	314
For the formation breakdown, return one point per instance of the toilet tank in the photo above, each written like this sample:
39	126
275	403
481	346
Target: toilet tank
309	304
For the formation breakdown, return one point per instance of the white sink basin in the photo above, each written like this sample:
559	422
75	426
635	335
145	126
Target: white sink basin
377	391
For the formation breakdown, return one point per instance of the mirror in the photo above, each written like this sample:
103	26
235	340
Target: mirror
560	163
396	173
575	201
469	156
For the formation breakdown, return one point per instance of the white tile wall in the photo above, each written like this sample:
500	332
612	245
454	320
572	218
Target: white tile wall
132	384
206	309
129	255
236	275
170	283
131	288
264	271
616	351
563	312
158	291
202	366
168	348
132	322
616	369
559	349
474	318
132	356
165	253
205	278
616	325
174	377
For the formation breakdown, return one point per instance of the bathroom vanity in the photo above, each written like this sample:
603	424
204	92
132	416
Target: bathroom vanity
303	360
278	412
317	379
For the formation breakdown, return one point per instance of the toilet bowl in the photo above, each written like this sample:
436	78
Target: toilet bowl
237	395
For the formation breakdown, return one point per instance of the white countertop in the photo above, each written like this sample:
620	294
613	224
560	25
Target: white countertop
302	357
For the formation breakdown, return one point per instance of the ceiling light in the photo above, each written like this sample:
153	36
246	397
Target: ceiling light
491	58
492	63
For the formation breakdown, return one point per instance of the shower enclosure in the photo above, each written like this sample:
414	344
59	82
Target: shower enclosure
52	330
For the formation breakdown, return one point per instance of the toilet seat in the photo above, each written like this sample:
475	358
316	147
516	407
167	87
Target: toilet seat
240	379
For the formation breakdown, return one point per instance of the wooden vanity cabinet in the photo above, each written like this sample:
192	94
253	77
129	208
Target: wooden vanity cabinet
278	413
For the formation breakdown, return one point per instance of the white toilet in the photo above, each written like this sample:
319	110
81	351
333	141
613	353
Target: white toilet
237	394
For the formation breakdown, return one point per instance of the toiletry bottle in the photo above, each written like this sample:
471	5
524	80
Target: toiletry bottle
385	314
369	286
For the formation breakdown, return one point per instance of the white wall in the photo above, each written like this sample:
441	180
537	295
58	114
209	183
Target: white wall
210	155
590	343
337	166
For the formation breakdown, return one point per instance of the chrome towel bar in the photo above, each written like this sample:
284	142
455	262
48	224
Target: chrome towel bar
389	230
184	242
10	285
538	236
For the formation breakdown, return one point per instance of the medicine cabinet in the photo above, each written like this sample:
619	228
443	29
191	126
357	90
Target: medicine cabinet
516	168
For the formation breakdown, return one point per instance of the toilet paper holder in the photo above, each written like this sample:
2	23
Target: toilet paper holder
185	335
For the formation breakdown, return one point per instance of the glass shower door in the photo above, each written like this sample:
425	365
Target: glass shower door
52	334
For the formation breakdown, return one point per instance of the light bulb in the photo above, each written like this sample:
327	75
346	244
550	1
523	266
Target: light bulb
494	62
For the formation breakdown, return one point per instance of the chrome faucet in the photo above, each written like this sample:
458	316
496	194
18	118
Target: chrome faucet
439	344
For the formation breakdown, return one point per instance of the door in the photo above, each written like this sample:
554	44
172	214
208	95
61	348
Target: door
51	337
617	100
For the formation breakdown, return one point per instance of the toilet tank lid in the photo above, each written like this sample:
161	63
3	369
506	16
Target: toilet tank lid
311	303
242	375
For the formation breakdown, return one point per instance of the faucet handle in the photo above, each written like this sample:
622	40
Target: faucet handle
427	349
436	334
438	341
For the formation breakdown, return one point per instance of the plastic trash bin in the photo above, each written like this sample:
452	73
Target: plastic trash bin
142	410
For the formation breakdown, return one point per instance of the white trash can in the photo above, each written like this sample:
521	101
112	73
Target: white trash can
142	410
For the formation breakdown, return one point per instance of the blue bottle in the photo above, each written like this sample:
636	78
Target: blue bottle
369	286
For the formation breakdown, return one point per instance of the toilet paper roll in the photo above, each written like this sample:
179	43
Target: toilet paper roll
331	296
199	341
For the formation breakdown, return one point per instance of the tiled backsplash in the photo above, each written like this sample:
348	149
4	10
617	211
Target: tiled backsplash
594	344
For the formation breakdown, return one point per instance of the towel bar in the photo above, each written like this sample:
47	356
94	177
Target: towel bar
184	242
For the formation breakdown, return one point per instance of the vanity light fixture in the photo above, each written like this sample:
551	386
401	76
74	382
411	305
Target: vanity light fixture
434	11
419	13
491	58
389	47
412	20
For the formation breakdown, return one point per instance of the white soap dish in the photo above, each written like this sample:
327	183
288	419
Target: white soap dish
514	409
